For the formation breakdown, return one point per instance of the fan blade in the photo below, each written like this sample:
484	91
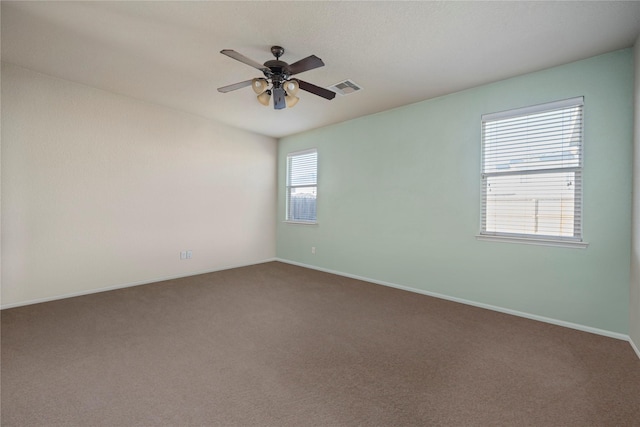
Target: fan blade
306	64
278	98
240	57
316	90
229	88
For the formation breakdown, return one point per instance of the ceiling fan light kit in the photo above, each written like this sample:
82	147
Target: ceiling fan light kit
291	100
264	98
278	74
291	87
259	85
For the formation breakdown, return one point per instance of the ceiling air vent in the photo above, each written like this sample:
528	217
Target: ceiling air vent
346	87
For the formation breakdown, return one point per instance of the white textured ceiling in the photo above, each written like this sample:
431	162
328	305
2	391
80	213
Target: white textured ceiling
399	52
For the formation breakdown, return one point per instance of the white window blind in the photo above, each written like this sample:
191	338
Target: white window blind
302	185
532	172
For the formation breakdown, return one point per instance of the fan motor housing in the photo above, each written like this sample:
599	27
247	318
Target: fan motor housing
278	67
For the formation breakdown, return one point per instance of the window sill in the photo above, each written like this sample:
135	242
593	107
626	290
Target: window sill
529	241
301	222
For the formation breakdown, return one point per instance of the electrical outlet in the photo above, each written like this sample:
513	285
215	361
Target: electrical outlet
313	250
189	254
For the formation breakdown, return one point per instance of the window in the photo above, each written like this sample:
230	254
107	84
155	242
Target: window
532	174
302	186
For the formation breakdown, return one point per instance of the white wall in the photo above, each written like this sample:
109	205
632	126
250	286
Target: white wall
101	190
634	294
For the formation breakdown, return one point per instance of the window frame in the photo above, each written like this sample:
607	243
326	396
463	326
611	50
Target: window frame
575	241
288	187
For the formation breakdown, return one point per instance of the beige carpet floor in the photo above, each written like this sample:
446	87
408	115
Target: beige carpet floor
279	345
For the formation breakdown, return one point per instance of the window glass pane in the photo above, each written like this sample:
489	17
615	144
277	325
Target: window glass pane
302	204
537	204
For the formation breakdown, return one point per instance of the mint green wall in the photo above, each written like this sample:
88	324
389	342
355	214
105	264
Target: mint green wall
398	199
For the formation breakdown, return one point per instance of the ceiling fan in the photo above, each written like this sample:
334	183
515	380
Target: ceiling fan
278	74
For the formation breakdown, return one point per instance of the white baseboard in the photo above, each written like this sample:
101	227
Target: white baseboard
577	326
128	285
635	347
